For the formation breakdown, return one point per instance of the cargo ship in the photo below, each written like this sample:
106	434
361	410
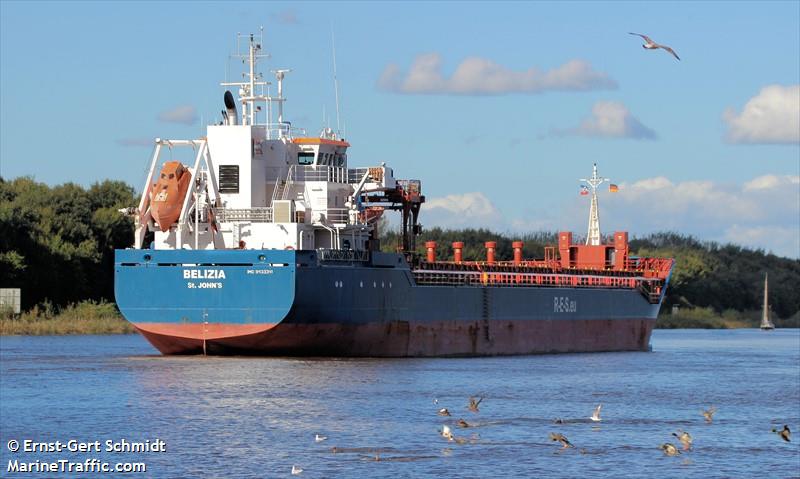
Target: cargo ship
266	243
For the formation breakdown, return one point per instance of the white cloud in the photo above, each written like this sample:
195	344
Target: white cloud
781	240
772	116
610	119
772	181
481	76
760	213
184	114
468	210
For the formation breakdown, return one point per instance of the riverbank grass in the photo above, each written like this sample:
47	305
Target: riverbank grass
707	318
86	317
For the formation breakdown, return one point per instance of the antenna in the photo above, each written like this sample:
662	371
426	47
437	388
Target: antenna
335	81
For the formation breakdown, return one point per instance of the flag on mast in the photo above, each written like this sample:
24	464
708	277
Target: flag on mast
584	190
613	188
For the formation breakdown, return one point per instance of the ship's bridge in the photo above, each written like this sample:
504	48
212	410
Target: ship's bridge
321	151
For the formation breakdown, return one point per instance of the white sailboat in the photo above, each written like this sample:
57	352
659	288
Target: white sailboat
766	324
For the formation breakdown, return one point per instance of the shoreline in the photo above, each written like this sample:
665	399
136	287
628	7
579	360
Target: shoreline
56	326
102	318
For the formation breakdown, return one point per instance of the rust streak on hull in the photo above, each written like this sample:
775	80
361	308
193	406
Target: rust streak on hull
404	339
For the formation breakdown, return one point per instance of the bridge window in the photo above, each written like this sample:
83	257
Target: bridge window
305	157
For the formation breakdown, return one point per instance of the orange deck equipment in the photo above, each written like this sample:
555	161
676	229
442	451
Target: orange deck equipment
166	197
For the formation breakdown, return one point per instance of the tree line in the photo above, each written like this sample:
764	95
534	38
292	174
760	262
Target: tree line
57	243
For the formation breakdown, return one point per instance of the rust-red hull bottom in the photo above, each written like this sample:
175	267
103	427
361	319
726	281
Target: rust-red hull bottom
403	339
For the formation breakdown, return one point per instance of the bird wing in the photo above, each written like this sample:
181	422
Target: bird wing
646	38
669	50
597	410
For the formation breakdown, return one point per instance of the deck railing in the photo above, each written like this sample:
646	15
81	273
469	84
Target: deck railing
649	287
333	174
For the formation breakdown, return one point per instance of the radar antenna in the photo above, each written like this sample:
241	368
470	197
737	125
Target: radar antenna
335	83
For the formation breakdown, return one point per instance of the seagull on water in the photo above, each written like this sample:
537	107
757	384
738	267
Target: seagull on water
296	470
669	449
447	433
784	433
318	438
596	414
651	45
473	403
685	438
443	412
709	414
463	423
557	436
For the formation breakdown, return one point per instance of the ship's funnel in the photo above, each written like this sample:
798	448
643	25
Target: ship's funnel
230	105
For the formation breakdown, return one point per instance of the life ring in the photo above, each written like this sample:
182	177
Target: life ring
289	248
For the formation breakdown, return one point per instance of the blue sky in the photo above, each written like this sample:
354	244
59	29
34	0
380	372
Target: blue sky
498	107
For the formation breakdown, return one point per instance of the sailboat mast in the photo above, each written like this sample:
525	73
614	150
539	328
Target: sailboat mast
765	321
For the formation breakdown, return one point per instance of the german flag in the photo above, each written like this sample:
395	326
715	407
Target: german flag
613	188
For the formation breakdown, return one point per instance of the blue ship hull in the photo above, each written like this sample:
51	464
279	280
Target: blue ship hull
272	302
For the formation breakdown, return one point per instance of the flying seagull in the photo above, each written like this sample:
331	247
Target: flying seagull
685	438
557	436
709	414
651	45
596	414
474	403
784	433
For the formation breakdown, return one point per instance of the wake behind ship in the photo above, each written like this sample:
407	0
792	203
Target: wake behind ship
267	243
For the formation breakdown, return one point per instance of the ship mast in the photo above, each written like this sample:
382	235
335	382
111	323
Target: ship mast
253	80
593	236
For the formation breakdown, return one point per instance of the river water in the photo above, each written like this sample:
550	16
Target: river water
257	417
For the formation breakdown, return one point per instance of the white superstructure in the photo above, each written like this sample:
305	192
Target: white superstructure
259	184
